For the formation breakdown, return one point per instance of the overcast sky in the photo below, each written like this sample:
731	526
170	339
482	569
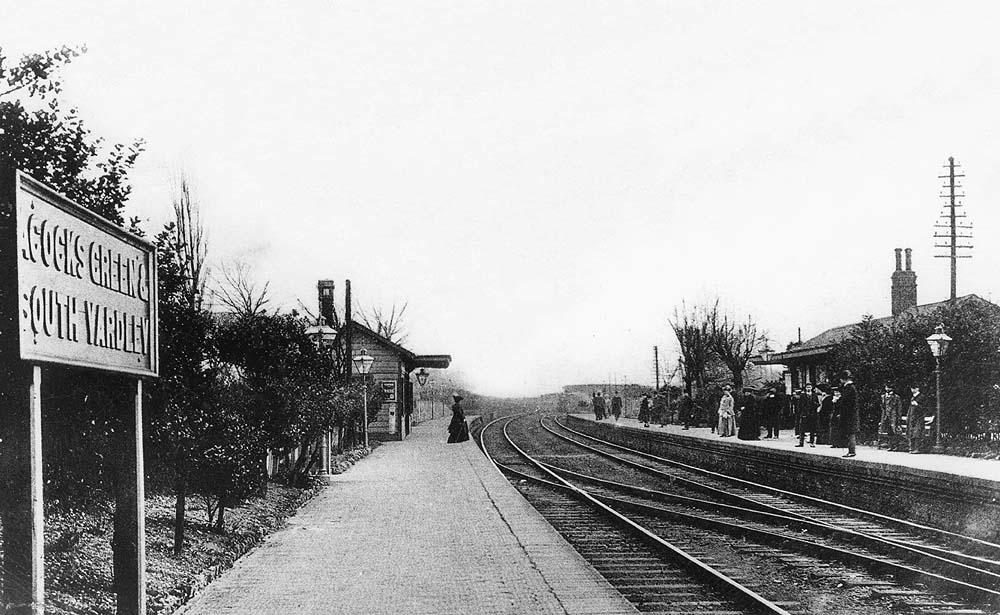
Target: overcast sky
543	182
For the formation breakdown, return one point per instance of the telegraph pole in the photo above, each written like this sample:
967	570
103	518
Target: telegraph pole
656	365
949	223
348	333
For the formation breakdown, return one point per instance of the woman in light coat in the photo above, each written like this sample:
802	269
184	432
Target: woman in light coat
727	414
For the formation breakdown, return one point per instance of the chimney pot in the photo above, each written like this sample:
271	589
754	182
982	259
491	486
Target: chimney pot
899	259
904	285
327	312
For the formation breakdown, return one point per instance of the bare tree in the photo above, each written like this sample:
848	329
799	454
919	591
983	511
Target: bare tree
693	329
389	324
308	312
735	342
183	249
190	247
240	292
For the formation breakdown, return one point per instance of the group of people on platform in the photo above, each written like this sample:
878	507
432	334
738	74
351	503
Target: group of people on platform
894	425
657	408
600	404
824	414
827	414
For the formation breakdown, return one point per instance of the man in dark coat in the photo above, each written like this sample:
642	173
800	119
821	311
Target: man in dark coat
805	415
850	420
748	419
616	406
687	410
714	397
796	395
915	420
600	406
771	407
888	425
658	411
644	409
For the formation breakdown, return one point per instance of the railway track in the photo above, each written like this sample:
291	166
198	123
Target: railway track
722	529
656	576
961	556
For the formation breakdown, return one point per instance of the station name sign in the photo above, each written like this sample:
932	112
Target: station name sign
86	288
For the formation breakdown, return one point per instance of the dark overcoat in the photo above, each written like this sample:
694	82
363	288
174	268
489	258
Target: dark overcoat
823	415
748	419
915	418
850	421
458	429
644	409
805	413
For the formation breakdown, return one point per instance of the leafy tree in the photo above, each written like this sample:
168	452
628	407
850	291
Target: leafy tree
289	383
897	352
43	138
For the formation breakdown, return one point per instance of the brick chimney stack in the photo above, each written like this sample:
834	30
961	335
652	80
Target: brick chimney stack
324	289
904	284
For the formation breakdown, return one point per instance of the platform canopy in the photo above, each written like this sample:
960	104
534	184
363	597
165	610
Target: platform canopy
434	361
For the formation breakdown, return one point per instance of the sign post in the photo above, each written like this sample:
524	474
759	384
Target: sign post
84	296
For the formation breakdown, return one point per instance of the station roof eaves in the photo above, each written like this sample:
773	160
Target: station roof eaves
821	344
439	361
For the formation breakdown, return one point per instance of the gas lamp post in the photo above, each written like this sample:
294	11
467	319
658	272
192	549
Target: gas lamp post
422	375
363	363
939	346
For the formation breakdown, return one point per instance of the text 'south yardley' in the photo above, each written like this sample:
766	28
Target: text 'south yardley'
57	314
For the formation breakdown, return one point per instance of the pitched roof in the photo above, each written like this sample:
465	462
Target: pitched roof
439	361
821	343
408	354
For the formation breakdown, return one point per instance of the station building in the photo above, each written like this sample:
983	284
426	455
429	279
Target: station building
392	374
392	371
807	361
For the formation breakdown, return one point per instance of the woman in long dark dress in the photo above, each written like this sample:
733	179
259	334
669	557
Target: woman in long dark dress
748	419
823	412
458	429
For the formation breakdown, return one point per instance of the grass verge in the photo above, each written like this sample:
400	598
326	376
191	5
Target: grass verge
78	573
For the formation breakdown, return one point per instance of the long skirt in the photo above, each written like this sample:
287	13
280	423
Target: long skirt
458	432
727	426
749	426
838	439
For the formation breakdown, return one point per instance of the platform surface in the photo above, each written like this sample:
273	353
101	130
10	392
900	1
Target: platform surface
419	526
985	469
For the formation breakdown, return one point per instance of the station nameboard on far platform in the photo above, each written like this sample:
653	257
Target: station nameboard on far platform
86	288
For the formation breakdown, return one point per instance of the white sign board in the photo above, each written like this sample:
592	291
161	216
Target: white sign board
86	288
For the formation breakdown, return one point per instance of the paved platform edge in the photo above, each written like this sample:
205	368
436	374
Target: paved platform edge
811	456
578	587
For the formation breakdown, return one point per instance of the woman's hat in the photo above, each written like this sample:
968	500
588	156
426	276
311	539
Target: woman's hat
457	397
